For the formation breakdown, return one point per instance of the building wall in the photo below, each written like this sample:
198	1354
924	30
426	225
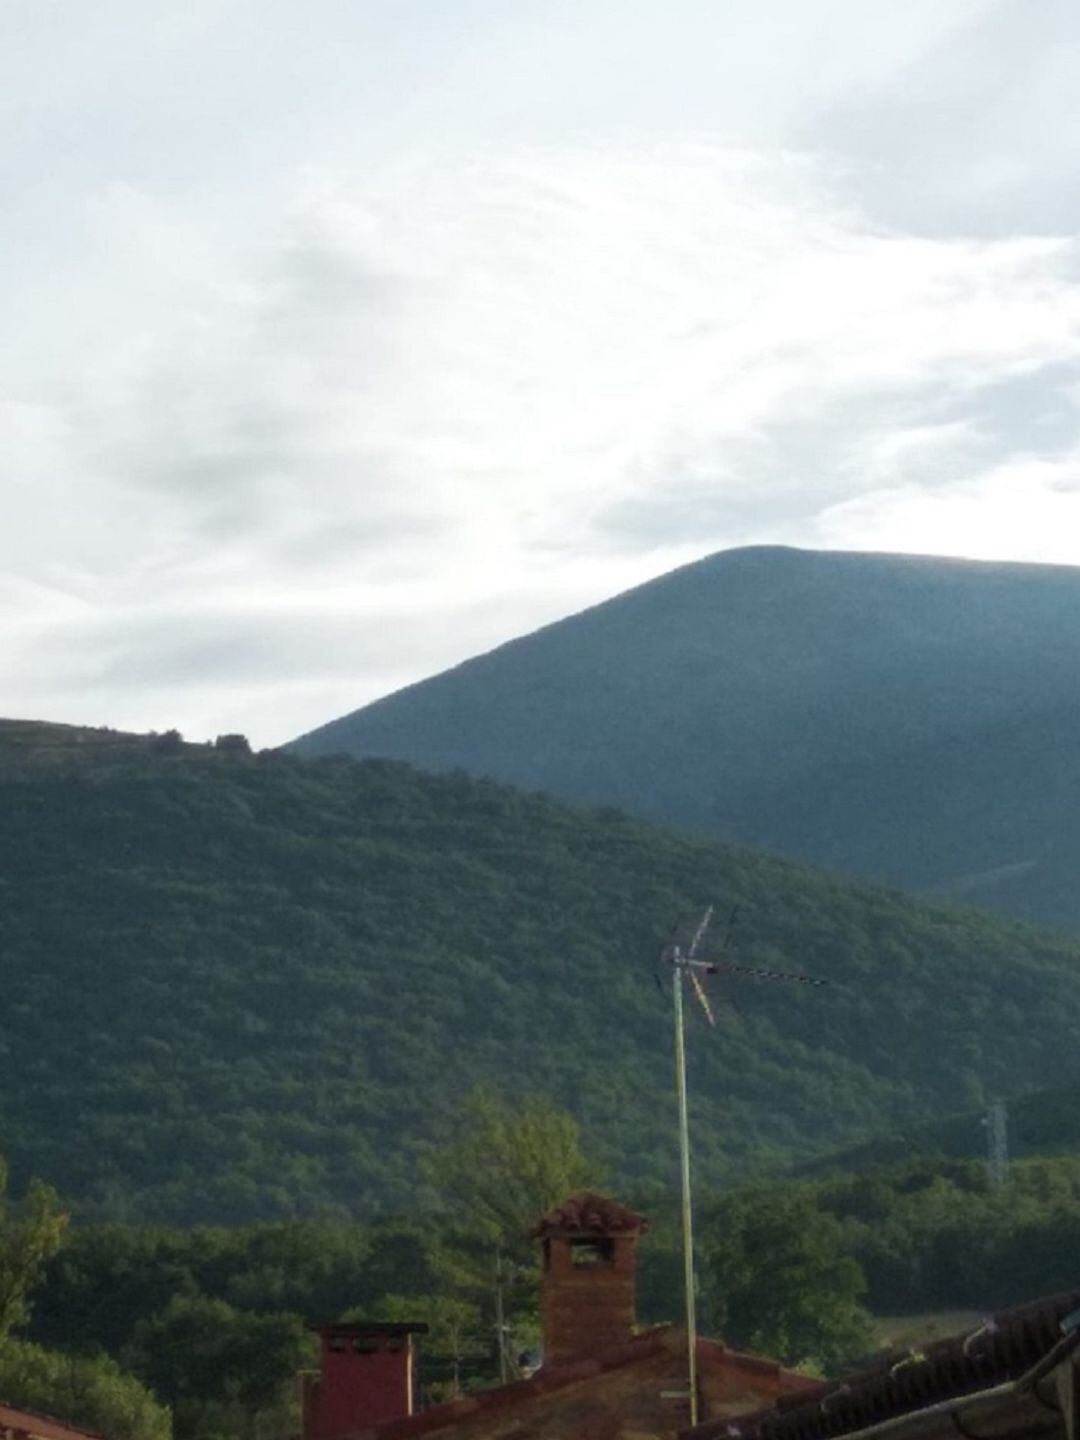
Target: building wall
586	1309
363	1382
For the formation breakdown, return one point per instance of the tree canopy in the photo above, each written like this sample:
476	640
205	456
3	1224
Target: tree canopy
31	1230
214	1320
780	1281
502	1164
89	1390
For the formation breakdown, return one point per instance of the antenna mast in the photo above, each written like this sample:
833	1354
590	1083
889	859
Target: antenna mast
687	1203
679	964
690	964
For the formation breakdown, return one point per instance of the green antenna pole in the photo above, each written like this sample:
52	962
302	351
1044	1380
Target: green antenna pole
687	1208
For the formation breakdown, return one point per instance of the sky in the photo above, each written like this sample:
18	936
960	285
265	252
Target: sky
345	340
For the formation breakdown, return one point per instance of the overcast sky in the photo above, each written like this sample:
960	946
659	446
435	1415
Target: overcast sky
345	339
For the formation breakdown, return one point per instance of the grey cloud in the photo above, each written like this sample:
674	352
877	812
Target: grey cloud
236	420
322	273
777	481
702	512
1038	411
217	647
404	541
981	135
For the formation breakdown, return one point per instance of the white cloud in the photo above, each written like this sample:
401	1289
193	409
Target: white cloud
422	389
1026	509
297	414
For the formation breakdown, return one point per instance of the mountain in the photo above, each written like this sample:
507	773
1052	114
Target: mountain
240	986
907	718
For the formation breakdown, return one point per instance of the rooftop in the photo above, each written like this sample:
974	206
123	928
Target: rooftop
45	1427
652	1344
1007	1347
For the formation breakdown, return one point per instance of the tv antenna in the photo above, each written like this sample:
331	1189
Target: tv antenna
688	959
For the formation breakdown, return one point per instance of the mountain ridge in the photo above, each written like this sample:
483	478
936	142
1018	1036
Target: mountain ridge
909	718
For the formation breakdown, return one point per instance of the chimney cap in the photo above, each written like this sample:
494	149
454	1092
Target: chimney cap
589	1213
368	1329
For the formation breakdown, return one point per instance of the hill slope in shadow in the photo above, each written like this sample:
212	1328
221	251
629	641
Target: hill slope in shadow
909	718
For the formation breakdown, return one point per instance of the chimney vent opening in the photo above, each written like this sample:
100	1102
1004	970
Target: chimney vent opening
598	1254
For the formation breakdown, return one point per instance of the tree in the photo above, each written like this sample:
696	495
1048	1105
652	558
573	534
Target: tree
88	1390
233	744
779	1280
222	1370
505	1165
455	1337
30	1231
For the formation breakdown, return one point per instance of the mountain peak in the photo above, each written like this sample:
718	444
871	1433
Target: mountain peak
905	716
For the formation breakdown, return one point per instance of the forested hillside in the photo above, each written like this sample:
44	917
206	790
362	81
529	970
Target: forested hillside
908	718
240	986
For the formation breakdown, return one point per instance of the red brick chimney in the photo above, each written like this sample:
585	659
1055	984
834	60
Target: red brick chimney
587	1282
365	1378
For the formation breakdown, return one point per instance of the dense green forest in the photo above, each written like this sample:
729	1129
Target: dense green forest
214	1321
905	717
796	1268
938	1235
139	1330
250	986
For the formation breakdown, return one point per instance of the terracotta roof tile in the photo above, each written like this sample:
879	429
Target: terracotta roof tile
550	1379
31	1422
714	1354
